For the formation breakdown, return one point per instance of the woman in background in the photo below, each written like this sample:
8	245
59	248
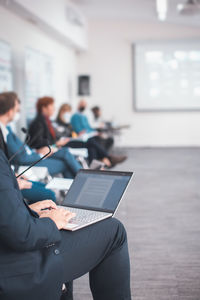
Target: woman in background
63	121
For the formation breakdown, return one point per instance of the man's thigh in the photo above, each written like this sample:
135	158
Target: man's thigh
84	249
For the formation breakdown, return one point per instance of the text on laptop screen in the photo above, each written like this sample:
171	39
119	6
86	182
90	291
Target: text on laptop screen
101	191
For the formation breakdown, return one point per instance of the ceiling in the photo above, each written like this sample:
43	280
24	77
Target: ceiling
138	10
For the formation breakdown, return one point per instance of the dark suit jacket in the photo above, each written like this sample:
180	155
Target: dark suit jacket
30	264
40	134
3	145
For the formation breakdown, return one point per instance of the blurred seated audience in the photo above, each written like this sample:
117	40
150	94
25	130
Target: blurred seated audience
43	125
81	126
61	161
64	128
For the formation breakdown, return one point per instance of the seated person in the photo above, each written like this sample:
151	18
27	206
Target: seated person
43	125
61	161
81	126
31	190
37	256
79	120
98	124
95	150
95	119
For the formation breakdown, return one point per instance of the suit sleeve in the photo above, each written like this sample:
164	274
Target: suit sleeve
18	228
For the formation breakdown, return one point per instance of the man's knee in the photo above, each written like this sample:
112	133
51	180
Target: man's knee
119	230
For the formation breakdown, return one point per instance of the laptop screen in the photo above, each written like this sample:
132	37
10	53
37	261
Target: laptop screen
98	190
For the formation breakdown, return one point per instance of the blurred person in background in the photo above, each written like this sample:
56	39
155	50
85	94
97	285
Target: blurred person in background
97	123
62	123
95	119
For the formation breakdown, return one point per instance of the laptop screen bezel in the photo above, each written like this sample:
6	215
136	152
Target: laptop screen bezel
107	173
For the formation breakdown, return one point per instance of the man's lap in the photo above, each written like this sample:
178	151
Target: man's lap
83	249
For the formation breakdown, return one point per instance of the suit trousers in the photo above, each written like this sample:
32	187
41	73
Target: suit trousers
100	249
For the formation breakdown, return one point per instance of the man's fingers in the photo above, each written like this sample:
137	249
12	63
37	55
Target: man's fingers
52	204
64	210
44	212
49	204
69	216
67	212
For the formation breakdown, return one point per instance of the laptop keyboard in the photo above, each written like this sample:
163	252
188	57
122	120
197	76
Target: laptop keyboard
85	216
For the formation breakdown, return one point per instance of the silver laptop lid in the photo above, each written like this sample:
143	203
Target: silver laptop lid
97	190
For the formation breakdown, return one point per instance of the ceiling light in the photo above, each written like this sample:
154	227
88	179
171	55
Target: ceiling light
162	6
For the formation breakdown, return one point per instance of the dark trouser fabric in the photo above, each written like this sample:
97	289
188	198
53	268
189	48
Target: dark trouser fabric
106	143
95	149
100	249
99	152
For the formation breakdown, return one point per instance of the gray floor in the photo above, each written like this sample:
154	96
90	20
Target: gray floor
161	212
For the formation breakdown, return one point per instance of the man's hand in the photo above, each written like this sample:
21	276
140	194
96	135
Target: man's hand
62	142
24	184
59	216
39	206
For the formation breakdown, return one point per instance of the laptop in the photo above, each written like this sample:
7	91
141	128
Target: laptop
94	196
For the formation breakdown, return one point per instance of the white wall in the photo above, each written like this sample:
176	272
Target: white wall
109	62
55	17
20	34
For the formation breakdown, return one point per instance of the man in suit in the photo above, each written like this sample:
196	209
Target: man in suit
3	145
61	161
37	256
31	190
